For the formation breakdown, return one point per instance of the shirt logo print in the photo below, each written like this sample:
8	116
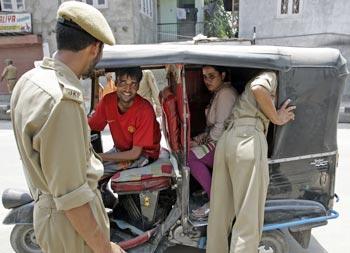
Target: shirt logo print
131	129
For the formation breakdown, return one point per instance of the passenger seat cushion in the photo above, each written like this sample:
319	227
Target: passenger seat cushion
160	168
153	184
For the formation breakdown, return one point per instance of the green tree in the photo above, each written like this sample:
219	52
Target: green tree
217	21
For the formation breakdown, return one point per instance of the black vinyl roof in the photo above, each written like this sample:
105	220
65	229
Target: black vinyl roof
267	57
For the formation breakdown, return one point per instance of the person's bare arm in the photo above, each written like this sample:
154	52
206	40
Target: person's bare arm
128	155
83	221
265	102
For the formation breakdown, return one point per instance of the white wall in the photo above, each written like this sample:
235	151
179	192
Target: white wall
321	23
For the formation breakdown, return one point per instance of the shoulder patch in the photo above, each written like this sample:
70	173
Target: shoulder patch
72	94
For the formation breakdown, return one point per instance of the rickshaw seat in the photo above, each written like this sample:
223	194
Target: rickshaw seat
181	106
154	176
173	109
171	118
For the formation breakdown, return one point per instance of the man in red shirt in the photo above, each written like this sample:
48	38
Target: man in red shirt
132	122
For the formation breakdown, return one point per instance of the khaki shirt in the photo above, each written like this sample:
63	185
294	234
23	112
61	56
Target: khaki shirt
52	135
246	105
9	72
148	88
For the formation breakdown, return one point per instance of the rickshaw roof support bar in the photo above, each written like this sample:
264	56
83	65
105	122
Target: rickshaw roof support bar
185	113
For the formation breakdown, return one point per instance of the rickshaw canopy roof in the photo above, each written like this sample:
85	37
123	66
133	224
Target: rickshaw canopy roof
265	57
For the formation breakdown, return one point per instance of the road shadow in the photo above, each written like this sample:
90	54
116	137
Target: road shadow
314	246
294	247
183	249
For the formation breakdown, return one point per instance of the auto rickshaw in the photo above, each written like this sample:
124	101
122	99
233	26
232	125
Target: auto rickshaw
155	202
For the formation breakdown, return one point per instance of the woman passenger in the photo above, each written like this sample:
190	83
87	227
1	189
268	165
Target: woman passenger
201	156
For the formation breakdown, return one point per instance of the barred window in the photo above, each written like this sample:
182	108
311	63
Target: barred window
98	4
284	7
12	5
295	9
147	7
288	8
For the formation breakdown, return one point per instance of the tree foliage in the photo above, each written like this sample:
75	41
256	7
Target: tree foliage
217	21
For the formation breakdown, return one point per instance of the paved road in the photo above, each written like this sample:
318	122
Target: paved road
333	238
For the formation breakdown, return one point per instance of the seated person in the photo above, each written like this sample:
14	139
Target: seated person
201	156
132	122
108	88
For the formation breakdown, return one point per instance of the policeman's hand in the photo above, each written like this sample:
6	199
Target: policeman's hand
285	113
116	248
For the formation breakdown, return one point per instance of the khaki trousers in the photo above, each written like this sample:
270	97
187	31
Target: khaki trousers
54	232
11	84
239	188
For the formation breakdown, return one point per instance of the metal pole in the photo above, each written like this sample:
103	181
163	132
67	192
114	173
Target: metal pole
254	35
233	13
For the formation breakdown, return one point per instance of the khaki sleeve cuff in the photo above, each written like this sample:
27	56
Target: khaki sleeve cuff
261	82
267	80
75	198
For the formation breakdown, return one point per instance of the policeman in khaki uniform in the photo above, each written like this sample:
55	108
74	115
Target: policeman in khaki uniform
241	177
49	121
9	74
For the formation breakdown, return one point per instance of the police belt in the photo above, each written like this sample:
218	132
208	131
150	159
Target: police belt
257	122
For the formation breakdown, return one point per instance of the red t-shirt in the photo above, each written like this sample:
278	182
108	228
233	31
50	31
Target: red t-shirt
136	127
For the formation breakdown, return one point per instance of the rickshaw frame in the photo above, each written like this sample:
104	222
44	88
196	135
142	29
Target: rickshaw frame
281	59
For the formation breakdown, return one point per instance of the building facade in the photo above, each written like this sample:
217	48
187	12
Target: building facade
27	27
179	19
307	23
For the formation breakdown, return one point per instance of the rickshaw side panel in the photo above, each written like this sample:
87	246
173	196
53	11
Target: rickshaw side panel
304	152
317	93
308	179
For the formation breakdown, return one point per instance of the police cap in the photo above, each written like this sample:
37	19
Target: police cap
83	16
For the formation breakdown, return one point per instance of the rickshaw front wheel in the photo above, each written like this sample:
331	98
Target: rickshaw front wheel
273	242
23	240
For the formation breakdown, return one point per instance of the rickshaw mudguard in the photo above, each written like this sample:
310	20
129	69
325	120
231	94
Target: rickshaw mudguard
280	214
12	198
20	215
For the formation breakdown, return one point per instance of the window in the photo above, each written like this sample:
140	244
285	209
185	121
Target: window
288	8
296	5
99	4
147	7
284	7
12	5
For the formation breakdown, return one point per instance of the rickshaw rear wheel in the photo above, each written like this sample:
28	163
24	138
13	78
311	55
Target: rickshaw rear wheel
23	240
273	242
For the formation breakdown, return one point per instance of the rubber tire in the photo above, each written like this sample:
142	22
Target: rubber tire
22	239
275	240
